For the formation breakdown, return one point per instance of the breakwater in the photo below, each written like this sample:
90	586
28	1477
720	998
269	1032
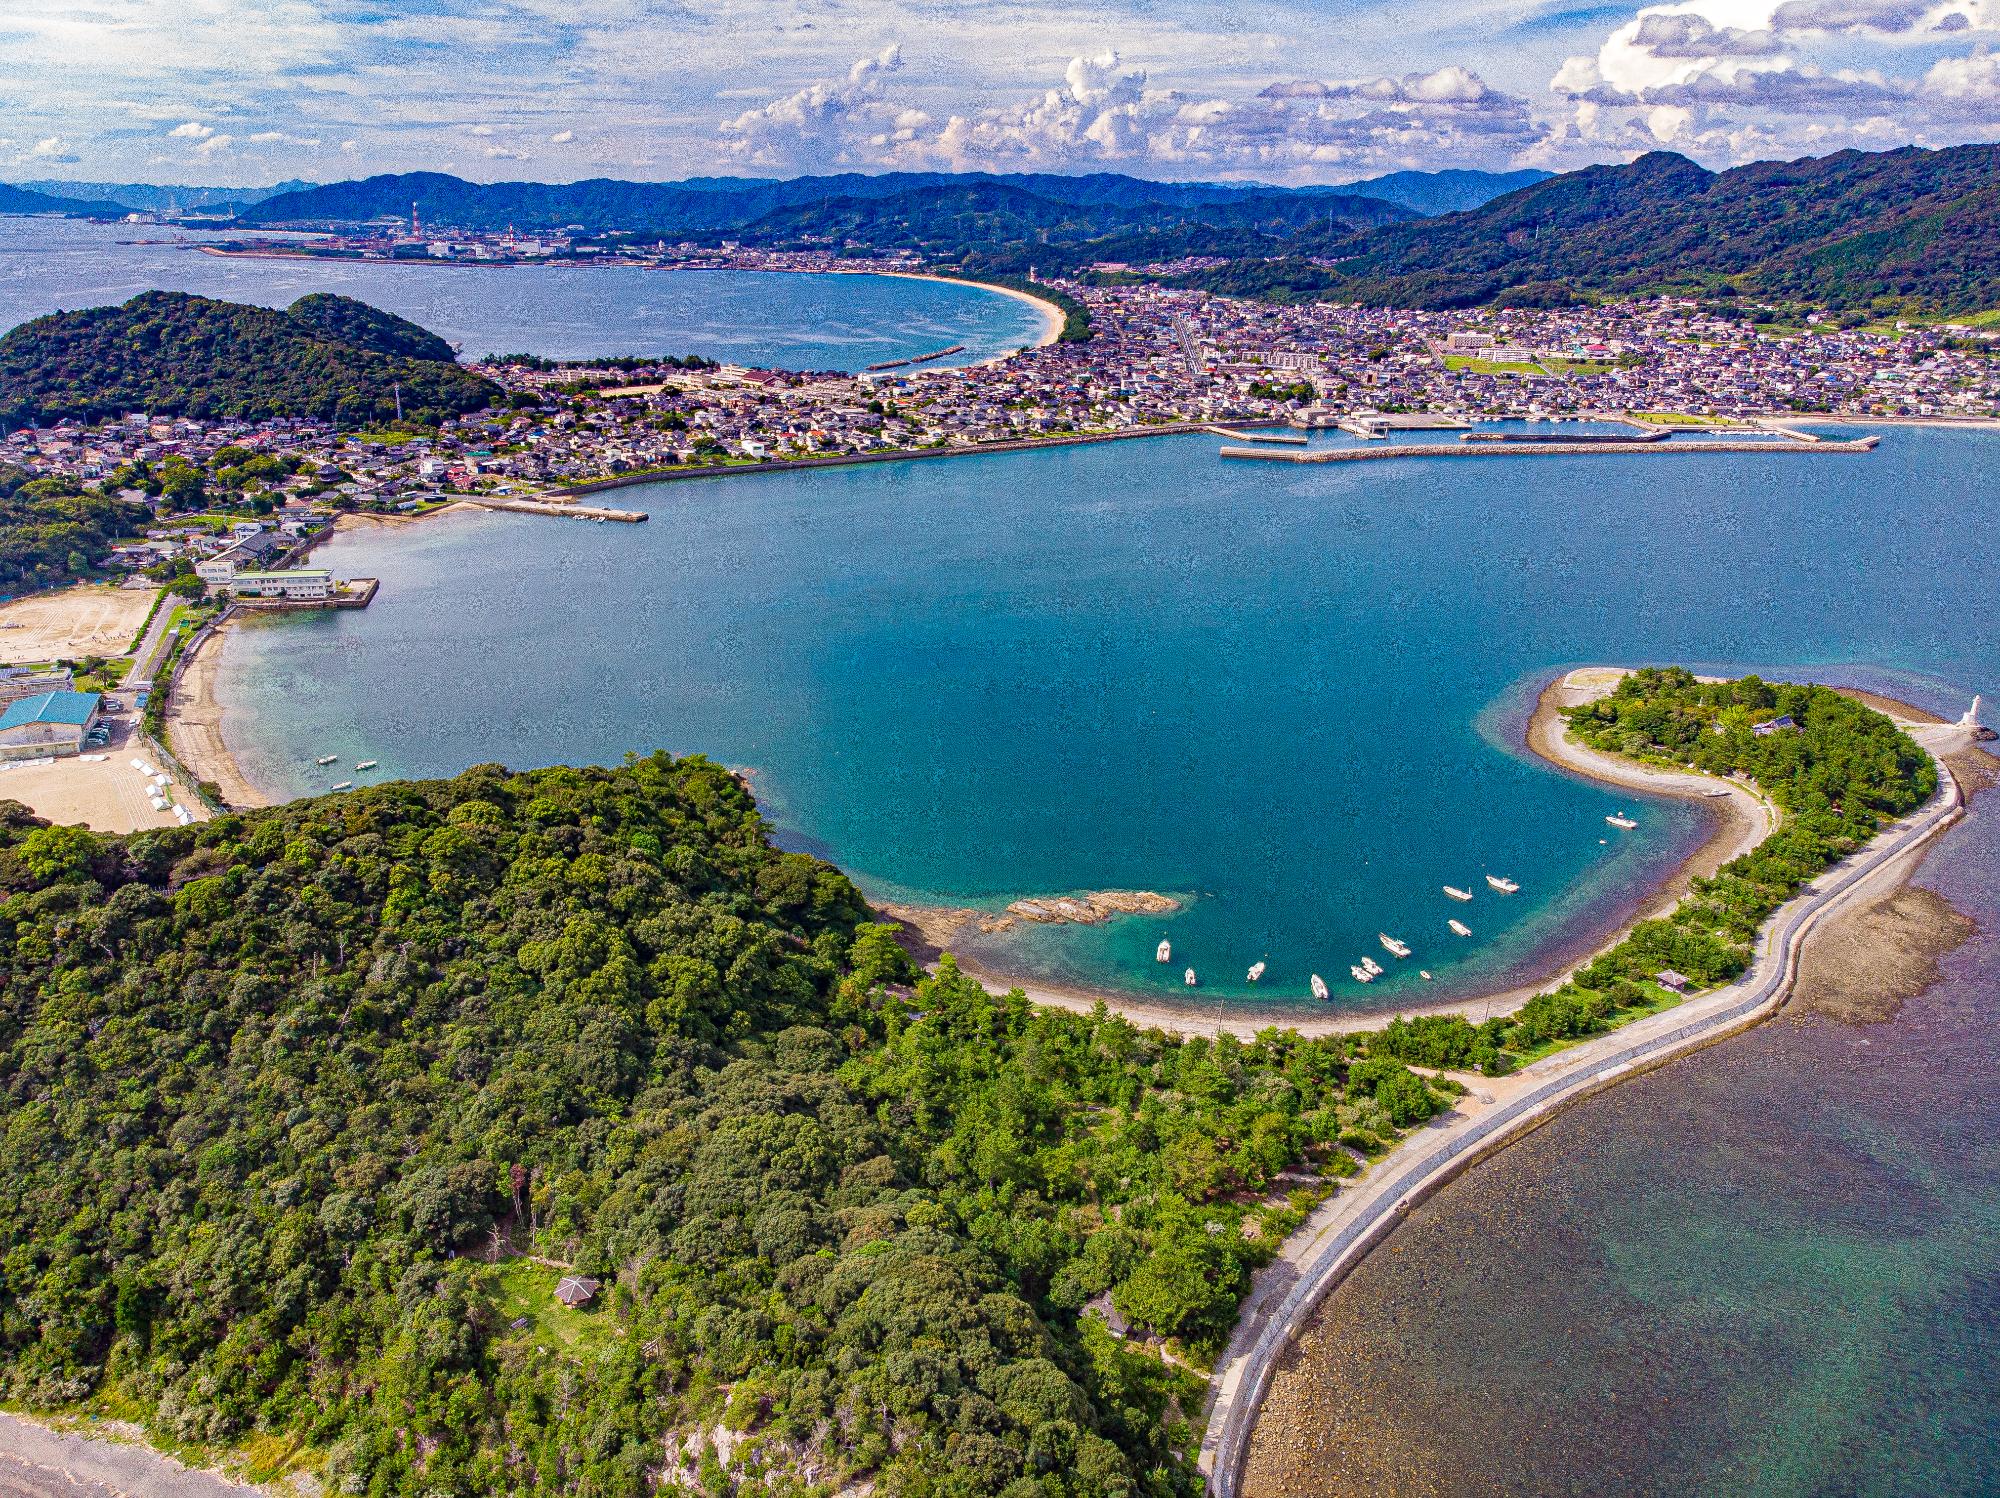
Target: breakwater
1541	449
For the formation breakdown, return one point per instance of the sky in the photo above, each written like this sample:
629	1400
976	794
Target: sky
249	92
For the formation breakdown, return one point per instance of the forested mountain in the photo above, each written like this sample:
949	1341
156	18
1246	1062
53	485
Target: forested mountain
21	200
289	1099
1450	191
1918	226
167	352
995	226
149	197
726	203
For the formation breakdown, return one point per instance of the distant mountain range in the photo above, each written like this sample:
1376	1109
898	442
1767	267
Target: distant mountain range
1453	191
730	203
1907	228
20	200
142	197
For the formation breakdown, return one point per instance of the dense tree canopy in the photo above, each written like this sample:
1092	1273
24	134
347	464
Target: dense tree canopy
50	533
173	354
301	1109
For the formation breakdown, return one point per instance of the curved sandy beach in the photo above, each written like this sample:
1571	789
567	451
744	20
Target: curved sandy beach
1053	316
1741	818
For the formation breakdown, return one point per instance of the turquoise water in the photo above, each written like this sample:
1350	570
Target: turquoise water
1767	1269
1285	695
763	319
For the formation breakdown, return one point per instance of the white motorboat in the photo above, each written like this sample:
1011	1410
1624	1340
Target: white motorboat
1164	952
1374	967
1319	986
1505	886
327	759
1457	893
366	764
341	785
1393	947
1621	820
1256	971
1460	928
1362	975
1188	978
1424	973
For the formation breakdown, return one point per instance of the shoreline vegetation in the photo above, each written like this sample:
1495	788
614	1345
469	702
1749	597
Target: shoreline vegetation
1083	1201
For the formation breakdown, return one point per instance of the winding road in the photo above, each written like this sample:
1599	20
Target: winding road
1333	1241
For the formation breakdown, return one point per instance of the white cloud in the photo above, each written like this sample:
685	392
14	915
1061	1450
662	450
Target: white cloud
192	130
215	145
52	147
562	137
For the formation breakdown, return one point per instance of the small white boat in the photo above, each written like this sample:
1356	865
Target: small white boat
1621	820
1374	967
1460	928
1362	975
1424	973
1188	978
1256	971
1457	893
366	764
327	759
1319	986
1393	947
1164	952
1505	886
341	785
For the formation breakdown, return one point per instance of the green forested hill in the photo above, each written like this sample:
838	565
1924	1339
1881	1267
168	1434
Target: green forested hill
1921	227
170	353
288	1099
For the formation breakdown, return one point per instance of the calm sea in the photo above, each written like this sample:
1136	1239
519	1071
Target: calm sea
763	319
1284	695
1768	1269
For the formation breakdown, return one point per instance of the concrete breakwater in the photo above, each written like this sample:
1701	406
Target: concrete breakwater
1541	449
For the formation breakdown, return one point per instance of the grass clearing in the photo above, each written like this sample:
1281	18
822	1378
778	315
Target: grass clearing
1466	364
523	1289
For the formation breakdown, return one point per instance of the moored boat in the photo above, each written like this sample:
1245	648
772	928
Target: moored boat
1362	975
366	764
1189	978
1460	927
1374	967
1256	971
1456	893
1319	986
1393	947
341	785
1164	952
1621	820
327	759
1505	886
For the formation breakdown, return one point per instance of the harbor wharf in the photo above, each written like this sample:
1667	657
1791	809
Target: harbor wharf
1542	449
1286	439
566	509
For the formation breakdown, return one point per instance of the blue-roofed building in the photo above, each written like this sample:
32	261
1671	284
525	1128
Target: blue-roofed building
51	723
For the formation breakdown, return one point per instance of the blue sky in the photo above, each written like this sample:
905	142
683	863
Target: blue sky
252	91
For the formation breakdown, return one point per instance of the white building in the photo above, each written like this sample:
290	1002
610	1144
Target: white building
303	584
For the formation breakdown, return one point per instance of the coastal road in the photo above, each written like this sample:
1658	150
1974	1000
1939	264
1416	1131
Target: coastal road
1319	1256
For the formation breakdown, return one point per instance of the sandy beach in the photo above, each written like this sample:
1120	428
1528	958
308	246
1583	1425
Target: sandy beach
1740	819
1053	316
194	724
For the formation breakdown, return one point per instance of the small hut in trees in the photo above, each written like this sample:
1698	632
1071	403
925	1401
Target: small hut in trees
576	1291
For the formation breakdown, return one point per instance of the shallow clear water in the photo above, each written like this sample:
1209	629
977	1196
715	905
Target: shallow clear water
762	319
1287	695
1766	1269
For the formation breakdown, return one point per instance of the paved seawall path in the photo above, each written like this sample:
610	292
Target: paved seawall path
1315	1259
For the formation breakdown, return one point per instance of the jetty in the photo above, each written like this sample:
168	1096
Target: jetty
567	509
1547	448
1290	439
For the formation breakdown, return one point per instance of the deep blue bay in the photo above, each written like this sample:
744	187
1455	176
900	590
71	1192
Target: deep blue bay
1288	696
759	318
